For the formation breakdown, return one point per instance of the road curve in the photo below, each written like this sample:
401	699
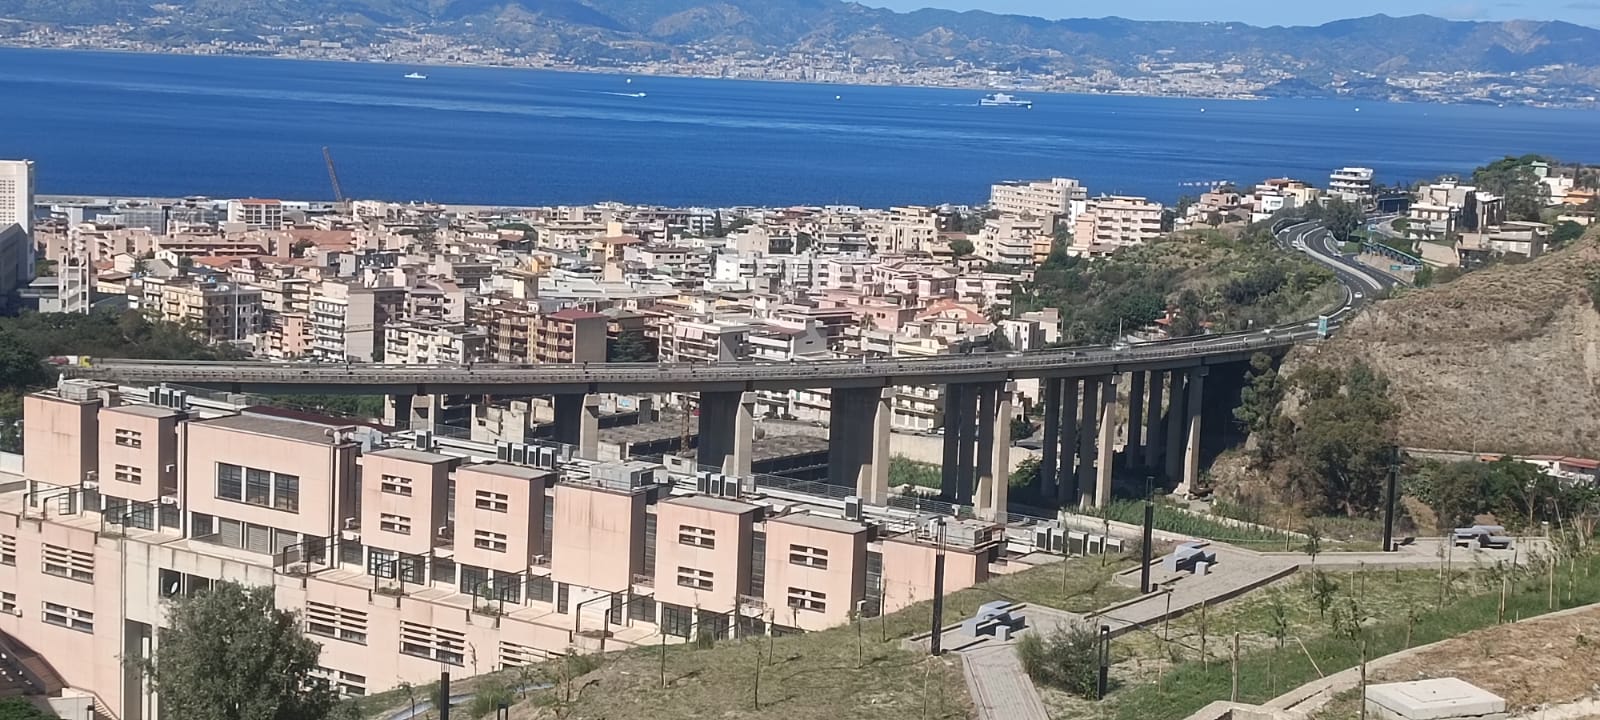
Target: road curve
506	378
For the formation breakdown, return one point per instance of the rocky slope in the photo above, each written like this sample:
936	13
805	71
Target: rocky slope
1506	359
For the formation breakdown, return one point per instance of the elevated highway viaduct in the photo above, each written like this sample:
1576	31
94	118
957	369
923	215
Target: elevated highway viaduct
1079	398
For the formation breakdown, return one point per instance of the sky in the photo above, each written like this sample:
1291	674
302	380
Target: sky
1274	12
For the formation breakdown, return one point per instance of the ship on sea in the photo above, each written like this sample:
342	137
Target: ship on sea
416	76
1004	100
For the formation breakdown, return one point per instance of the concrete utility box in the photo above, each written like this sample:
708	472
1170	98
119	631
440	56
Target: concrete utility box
1439	699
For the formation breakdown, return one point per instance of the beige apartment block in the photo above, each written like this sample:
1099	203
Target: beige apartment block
1116	221
402	556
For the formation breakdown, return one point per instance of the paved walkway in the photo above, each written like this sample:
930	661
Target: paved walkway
999	688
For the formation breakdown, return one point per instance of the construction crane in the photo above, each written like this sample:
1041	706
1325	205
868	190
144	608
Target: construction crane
333	177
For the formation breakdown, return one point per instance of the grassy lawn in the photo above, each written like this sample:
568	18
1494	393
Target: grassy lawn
1174	520
845	672
1165	680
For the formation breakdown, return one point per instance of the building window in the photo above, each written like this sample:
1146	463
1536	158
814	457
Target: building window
697	537
68	563
396	485
8	603
676	620
68	617
694	578
492	501
130	438
8	549
492	541
808	557
230	482
446	646
802	599
397	524
336	622
128	474
254	486
286	492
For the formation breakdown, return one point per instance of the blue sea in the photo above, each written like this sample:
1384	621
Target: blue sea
172	125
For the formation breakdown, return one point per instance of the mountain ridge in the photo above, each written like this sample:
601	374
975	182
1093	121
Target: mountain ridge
592	32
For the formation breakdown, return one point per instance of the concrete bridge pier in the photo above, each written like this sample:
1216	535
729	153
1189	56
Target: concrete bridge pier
994	446
1066	470
727	430
961	442
1088	429
1176	430
1194	407
1152	418
1136	390
1106	461
413	412
1050	452
859	456
578	423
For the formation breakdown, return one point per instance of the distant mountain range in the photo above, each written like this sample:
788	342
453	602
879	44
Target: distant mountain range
1285	60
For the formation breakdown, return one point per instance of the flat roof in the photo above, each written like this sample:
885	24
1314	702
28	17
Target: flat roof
521	472
149	411
715	504
274	427
821	522
412	455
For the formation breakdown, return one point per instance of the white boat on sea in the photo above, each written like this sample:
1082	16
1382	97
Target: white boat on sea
1004	100
416	76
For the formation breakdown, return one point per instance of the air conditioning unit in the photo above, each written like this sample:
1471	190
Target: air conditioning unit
547	458
519	454
730	487
1043	538
502	451
702	482
852	508
169	500
423	440
90	485
352	524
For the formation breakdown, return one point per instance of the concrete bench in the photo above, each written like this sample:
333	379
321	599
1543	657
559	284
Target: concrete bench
1186	556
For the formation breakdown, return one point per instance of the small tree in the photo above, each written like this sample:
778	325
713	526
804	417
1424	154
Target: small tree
961	247
1313	544
1323	591
230	655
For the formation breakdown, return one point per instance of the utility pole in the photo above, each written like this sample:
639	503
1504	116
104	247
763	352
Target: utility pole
444	695
938	591
1149	536
1388	502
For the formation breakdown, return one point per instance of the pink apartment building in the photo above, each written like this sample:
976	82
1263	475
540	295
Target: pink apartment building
403	560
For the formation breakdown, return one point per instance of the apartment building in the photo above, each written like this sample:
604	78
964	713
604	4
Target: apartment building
568	336
256	214
433	342
221	312
347	320
705	341
1116	221
1352	184
1057	200
1012	240
404	557
908	228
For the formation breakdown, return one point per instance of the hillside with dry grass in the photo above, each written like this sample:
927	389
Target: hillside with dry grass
1506	359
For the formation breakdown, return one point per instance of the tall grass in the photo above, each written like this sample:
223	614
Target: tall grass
1191	685
1173	520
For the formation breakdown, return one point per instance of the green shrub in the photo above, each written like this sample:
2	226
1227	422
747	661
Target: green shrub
1067	659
